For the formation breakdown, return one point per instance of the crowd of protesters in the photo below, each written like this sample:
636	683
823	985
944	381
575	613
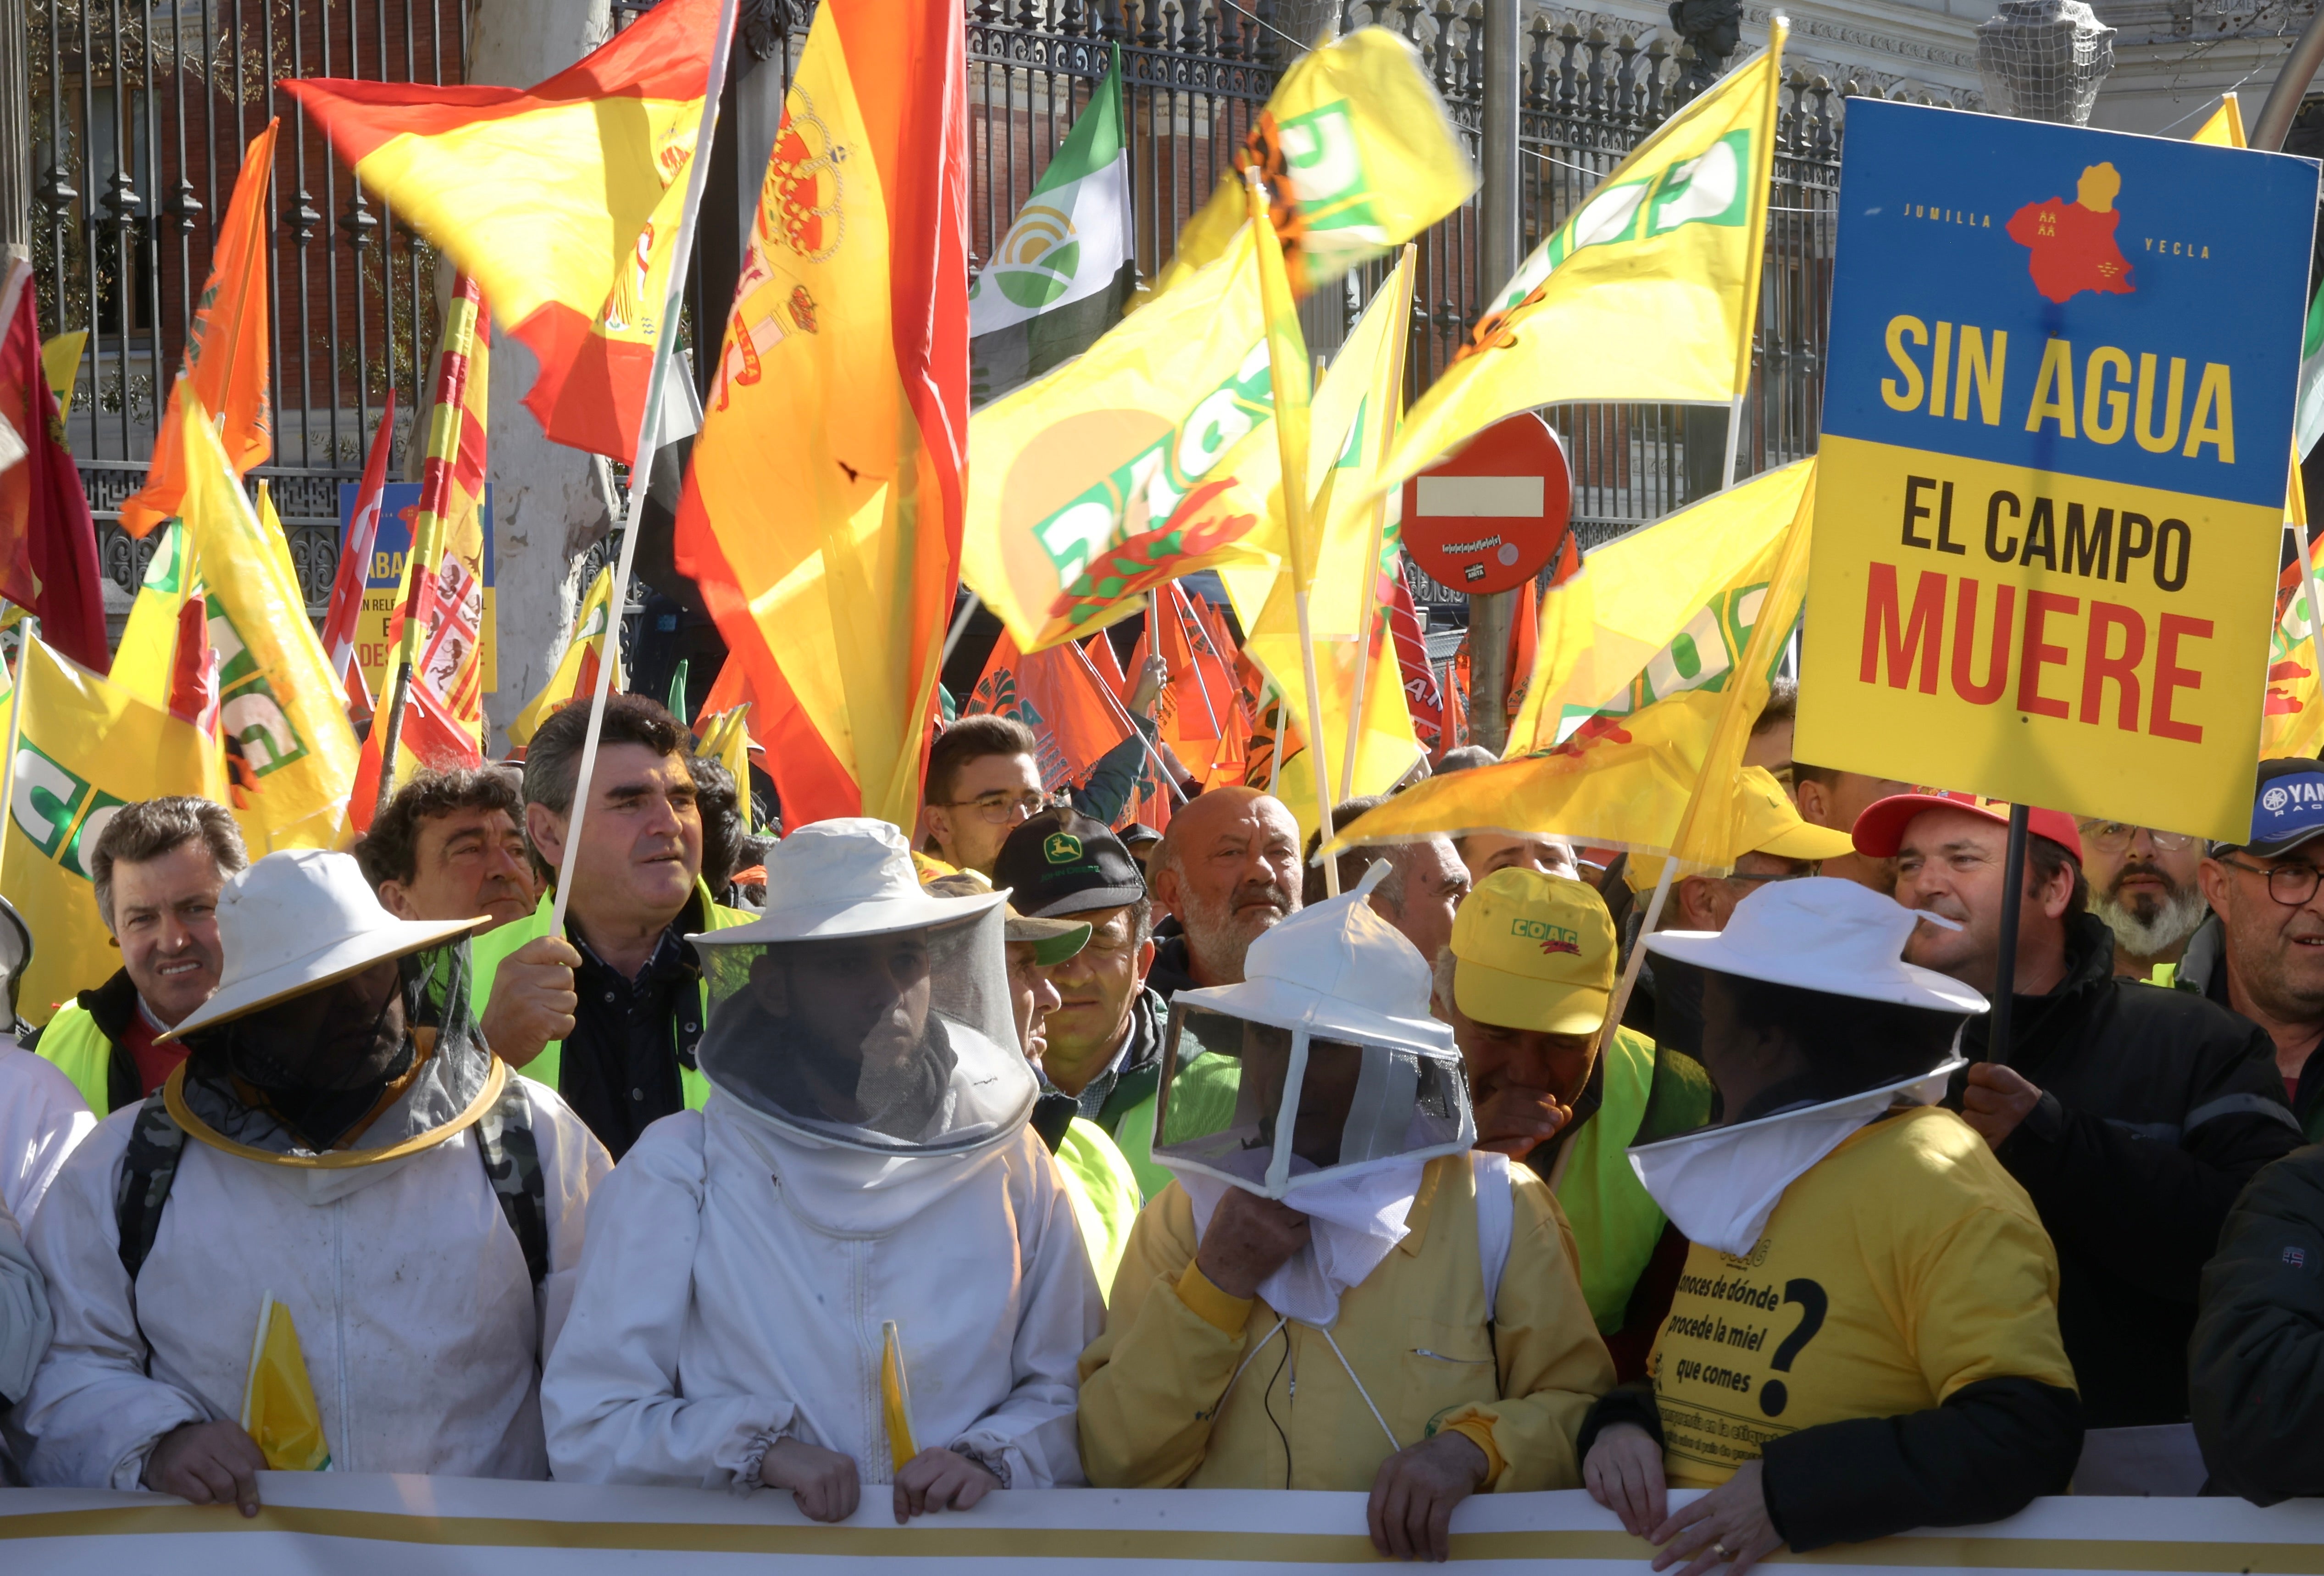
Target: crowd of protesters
1152	1164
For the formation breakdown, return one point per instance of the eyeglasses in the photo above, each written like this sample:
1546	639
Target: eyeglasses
1001	805
2114	837
2289	884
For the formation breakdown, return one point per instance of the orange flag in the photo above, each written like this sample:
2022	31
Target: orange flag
563	200
821	515
1108	665
1197	713
226	358
1524	641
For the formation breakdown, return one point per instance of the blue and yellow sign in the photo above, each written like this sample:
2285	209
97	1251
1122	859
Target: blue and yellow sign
2057	432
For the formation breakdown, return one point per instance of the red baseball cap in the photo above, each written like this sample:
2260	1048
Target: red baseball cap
1882	826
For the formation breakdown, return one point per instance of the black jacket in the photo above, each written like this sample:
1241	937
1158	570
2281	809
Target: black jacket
2204	969
2257	1356
1982	1456
2157	1107
1172	970
114	1007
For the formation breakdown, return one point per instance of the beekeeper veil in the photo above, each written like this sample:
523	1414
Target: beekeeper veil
1323	1065
859	1009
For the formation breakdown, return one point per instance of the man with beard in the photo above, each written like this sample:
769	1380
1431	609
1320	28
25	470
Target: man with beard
2132	1116
340	1138
2143	884
2262	952
1228	868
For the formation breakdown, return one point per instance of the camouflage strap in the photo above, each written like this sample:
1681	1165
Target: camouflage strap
505	1139
148	1167
512	1156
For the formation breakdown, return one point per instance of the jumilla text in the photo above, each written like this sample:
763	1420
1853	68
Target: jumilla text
2101	397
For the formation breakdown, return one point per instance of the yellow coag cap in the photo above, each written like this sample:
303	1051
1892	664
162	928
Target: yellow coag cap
1534	951
1764	823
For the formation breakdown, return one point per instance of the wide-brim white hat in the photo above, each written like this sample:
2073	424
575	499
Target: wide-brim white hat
1820	933
845	877
299	920
1339	971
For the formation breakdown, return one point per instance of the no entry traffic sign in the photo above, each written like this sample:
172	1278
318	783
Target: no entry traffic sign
1490	518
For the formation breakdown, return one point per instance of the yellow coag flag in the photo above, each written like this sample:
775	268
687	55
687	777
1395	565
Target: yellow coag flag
280	705
1093	484
1670	244
145	660
1662	610
2225	129
576	677
86	748
1623	777
1358	155
2291	720
1356	406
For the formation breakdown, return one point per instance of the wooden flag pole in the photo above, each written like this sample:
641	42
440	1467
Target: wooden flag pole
1401	282
641	468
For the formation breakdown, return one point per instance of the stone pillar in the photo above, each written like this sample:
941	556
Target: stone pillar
15	136
550	504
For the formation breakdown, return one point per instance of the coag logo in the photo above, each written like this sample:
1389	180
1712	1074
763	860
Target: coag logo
62	815
1554	939
251	715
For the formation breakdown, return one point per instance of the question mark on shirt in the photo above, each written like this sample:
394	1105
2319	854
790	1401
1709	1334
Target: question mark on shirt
1813	1304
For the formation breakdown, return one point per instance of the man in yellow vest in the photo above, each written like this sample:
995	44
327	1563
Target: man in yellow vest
158	868
622	1050
1526	985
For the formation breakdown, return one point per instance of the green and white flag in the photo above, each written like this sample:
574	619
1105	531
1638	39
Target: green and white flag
1063	273
2308	420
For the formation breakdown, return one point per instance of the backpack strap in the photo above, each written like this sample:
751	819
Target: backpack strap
149	1168
1496	1220
512	1156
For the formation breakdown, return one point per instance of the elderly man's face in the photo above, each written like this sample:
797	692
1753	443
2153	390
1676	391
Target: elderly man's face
1486	851
863	994
1033	996
1435	883
1232	875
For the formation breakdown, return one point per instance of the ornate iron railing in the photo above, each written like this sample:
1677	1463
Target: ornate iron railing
140	109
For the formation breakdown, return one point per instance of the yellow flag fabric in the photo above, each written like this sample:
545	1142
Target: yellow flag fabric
1673	238
1358	155
86	748
61	364
278	1402
2225	129
1090	485
2292	721
1664	609
1624	777
1356	406
576	677
144	661
280	704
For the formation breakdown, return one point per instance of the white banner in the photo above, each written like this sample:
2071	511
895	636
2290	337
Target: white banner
363	1525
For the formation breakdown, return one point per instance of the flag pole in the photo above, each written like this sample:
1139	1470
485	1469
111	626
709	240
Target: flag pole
1293	451
1386	424
697	169
435	501
1153	753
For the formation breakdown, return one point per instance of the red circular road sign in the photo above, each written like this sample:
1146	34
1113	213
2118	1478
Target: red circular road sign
1490	518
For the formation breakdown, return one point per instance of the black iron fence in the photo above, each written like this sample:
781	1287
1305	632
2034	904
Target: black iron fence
140	109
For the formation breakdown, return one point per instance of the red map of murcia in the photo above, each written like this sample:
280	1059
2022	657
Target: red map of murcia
2073	244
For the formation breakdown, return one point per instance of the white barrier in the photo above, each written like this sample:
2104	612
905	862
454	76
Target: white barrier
362	1526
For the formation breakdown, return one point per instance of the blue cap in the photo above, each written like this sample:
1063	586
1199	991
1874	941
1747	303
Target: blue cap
2287	809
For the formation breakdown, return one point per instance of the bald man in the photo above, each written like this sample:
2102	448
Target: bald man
1228	869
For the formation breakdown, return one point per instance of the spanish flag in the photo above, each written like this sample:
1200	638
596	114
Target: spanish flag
563	200
822	512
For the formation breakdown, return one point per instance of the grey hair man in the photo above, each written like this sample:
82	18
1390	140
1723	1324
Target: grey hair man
1424	884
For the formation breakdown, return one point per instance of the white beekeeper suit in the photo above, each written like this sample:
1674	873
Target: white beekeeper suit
42	1117
866	1157
405	1273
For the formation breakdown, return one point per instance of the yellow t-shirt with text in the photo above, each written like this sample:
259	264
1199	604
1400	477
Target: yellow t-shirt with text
1901	1266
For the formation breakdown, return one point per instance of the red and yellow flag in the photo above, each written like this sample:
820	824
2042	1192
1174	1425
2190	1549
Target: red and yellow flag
821	515
225	359
562	200
1197	713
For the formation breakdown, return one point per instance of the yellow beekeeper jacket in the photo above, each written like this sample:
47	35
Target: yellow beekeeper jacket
1162	1405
